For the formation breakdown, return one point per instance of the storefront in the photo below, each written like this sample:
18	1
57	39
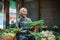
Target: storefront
11	7
47	10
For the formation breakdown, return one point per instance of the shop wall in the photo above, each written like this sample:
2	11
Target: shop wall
50	12
33	9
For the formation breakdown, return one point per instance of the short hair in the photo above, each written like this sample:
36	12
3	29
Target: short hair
21	10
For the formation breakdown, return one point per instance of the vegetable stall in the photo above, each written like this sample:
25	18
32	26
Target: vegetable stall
10	33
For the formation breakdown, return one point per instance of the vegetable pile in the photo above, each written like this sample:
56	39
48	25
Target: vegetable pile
9	31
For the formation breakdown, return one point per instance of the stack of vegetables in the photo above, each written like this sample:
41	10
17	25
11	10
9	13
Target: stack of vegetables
47	35
44	35
10	31
38	23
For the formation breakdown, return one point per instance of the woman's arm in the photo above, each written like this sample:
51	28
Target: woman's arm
17	23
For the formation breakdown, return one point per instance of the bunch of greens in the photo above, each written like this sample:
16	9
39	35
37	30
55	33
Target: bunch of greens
57	36
37	35
13	30
39	23
9	31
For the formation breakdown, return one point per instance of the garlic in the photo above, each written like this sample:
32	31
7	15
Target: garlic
51	38
43	39
47	35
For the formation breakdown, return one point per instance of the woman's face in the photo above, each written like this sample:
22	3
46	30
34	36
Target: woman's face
24	13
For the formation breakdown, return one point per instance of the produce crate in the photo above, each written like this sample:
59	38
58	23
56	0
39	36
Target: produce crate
8	37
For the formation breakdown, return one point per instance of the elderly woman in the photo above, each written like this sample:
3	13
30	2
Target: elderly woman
23	20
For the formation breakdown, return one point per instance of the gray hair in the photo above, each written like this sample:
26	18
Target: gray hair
21	10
